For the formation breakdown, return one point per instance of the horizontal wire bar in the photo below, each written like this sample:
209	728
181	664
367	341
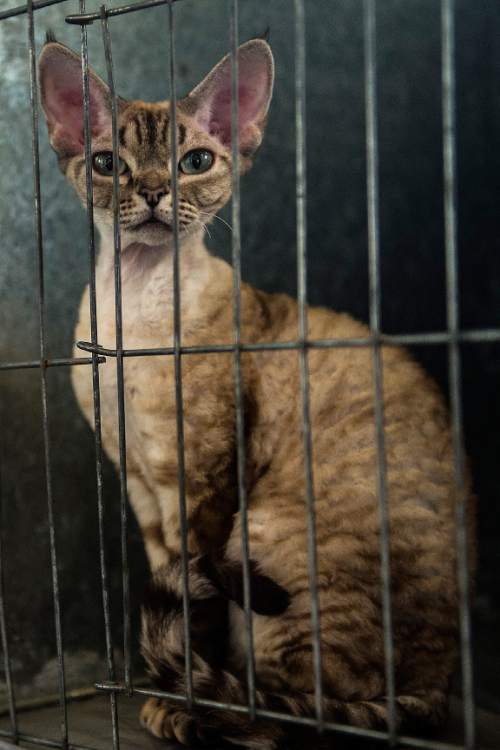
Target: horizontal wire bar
82	18
19	10
49	700
35	363
374	734
486	336
44	741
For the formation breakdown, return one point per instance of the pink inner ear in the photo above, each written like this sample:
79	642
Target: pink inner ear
249	108
63	105
254	89
65	108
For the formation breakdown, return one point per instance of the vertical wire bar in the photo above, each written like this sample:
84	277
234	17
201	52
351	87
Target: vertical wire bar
119	353
238	383
375	299
3	625
95	376
37	209
301	197
179	404
454	363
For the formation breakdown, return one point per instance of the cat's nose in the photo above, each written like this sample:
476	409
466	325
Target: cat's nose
152	197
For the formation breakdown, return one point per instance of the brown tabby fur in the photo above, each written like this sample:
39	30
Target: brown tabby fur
418	451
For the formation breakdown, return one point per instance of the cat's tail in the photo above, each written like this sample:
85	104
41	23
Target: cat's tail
163	649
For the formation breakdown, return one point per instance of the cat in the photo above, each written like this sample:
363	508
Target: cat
420	482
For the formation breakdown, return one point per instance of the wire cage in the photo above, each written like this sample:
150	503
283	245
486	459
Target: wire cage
115	685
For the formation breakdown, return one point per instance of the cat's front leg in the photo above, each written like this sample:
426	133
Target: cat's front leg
147	512
208	521
169	504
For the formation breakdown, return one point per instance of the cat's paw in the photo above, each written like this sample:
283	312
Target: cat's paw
167	722
155	717
185	728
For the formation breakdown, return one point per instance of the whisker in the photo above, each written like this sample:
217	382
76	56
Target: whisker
190	228
206	229
201	223
219	218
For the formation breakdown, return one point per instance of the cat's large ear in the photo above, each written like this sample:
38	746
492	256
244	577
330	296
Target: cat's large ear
210	102
60	75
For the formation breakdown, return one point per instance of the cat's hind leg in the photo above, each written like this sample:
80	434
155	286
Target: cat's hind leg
162	644
163	647
284	670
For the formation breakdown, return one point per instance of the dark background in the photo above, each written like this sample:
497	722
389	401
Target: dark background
412	266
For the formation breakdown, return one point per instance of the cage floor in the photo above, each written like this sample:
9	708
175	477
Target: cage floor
90	725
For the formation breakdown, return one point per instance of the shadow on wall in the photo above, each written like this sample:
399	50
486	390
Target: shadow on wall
413	280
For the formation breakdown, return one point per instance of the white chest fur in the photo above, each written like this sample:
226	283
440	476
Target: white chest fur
149	383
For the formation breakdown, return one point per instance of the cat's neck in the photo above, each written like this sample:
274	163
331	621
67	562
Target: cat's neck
138	259
147	276
150	268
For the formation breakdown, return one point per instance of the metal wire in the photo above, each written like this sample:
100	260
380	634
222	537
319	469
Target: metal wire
42	741
106	37
110	12
375	303
21	9
34	364
409	339
179	402
37	212
452	337
82	17
95	377
7	745
343	729
454	365
3	624
301	194
238	379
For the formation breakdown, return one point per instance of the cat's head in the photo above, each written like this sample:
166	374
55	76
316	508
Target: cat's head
203	141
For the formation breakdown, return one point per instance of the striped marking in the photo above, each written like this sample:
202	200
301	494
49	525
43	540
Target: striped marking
151	128
164	132
138	130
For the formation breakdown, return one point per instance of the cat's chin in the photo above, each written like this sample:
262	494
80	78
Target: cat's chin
151	233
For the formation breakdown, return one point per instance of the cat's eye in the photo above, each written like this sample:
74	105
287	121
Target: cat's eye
103	163
197	161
